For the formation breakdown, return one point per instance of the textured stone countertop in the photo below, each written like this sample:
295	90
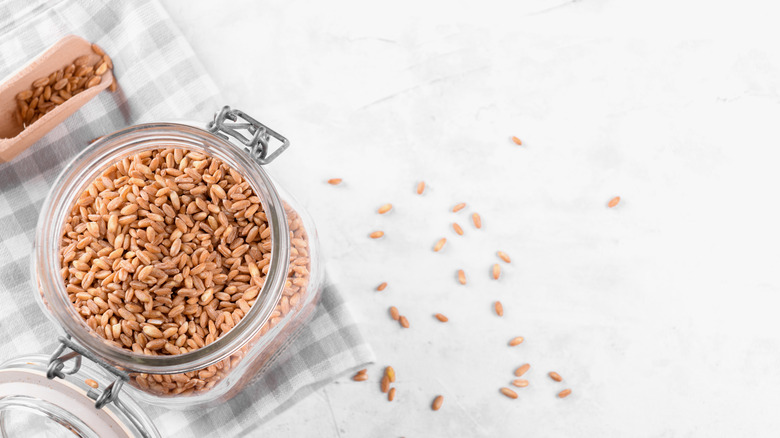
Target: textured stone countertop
660	314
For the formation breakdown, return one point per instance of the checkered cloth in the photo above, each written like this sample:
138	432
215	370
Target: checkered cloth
160	79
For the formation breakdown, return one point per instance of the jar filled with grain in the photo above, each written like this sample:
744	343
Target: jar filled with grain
168	253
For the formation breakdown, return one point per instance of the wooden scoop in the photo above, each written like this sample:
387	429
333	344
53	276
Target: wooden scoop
13	137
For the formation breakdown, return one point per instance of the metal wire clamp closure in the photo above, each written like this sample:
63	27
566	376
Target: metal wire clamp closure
258	138
56	368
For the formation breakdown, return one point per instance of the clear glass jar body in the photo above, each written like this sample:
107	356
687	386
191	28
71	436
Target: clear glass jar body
221	368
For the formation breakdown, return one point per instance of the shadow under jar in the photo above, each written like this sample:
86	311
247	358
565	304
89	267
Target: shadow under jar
166	251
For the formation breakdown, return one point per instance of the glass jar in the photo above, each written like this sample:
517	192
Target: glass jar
31	405
221	367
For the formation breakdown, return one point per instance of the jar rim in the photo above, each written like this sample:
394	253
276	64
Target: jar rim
74	179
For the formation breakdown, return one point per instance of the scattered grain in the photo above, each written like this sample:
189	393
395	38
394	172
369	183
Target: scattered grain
382	286
503	256
555	376
565	393
91	383
520	383
420	187
440	244
477	220
394	313
404	322
499	308
377	234
517	141
522	370
385	208
391	394
496	271
458	207
457	229
437	402
385	384
390	372
441	317
614	202
509	393
334	181
461	276
516	341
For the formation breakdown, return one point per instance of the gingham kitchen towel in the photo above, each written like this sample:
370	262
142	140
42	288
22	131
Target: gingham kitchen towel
160	79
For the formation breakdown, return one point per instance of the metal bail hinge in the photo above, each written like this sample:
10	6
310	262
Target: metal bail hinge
57	368
258	137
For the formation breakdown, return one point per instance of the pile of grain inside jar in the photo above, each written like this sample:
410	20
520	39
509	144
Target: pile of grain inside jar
167	251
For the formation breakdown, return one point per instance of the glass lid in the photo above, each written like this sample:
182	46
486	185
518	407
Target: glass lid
33	405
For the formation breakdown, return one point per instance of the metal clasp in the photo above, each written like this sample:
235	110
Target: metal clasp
57	368
259	135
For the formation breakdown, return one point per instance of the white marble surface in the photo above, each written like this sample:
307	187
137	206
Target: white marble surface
661	314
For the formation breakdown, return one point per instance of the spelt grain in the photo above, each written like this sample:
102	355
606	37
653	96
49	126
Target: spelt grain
516	341
477	220
522	370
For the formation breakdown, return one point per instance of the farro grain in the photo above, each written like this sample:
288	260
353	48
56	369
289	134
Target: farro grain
141	297
517	141
509	393
91	383
496	271
520	383
390	372
440	244
457	229
516	341
420	187
503	256
613	202
477	220
441	317
522	369
458	207
565	393
461	276
385	383
382	286
555	376
385	208
437	402
394	313
376	234
499	308
334	181
404	322
391	394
